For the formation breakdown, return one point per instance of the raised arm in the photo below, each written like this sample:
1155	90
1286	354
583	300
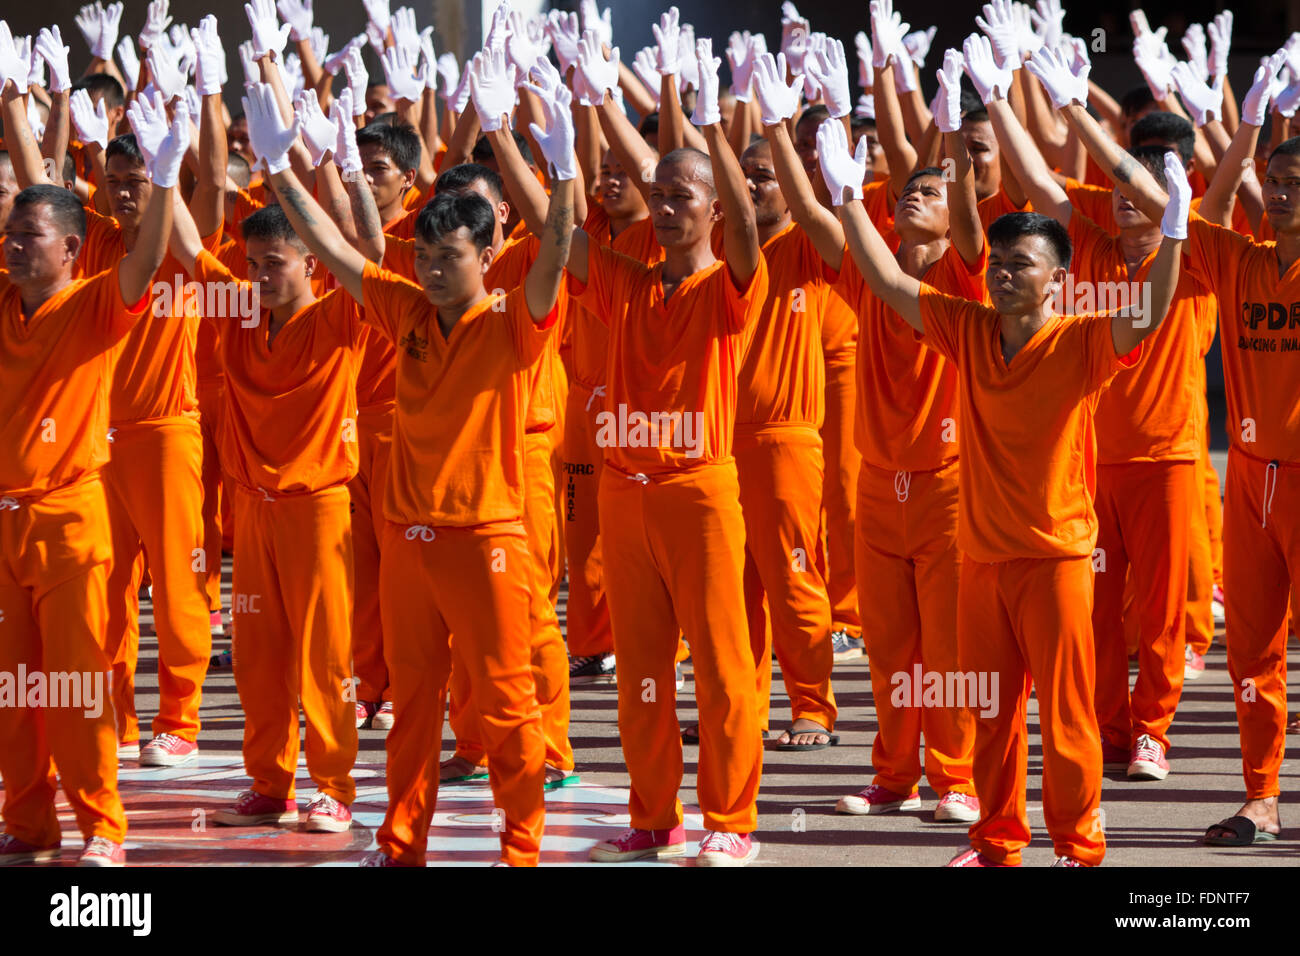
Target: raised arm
558	236
24	153
964	226
1131	326
739	226
164	150
207	204
1237	165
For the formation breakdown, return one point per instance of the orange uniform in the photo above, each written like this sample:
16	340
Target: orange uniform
288	442
999	204
55	370
455	555
155	495
211	390
1149	440
1027	530
906	547
780	407
1261	536
672	531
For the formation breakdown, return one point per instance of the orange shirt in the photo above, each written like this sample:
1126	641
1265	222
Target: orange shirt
1028	454
783	378
289	426
906	417
999	204
1152	413
415	199
878	201
377	380
1260	340
673	365
458	440
55	367
1094	202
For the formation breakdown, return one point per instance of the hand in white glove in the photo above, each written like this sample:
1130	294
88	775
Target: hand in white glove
449	76
334	62
298	14
1052	68
148	118
192	101
524	45
156	21
211	57
668	39
1156	63
399	67
556	141
1266	85
1194	44
35	64
688	66
377	14
405	33
90	121
815	44
740	57
130	61
492	88
707	111
794	37
318	133
947	108
500	28
354	68
319	41
347	157
460	95
268	136
594	19
645	66
1048	22
917	45
165	168
831	71
999	25
183	47
108	22
248	60
1292	47
776	101
564	32
166	76
49	46
887	32
268	35
544	77
598	74
1205	103
1220	30
428	59
1173	223
841	169
866	108
865	59
1286	102
990	80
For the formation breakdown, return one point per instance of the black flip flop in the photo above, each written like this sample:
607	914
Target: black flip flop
692	737
1243	830
792	733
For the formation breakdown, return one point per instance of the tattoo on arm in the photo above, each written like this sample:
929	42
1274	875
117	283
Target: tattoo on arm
1123	172
364	211
294	197
559	234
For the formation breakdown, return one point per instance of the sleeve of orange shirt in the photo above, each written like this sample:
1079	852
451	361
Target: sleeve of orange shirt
388	297
607	272
1212	253
210	268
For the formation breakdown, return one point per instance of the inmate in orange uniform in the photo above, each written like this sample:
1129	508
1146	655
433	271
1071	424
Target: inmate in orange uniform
455	555
1261	531
906	550
672	530
780	407
155	496
54	552
1148	443
1206	522
289	446
1027	530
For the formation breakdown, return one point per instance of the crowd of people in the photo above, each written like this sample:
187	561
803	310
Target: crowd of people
772	372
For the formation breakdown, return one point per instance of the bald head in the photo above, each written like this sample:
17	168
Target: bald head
689	164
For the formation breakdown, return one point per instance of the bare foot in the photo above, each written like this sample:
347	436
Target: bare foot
806	732
458	767
1263	813
555	774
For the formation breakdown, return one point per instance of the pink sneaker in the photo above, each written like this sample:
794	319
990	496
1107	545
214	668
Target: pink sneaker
1148	761
1067	861
15	852
876	799
251	809
383	718
101	851
727	849
637	844
957	807
1112	757
1217	603
216	625
379	858
168	750
366	709
973	857
327	815
1193	664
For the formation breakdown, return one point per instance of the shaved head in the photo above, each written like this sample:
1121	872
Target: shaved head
691	164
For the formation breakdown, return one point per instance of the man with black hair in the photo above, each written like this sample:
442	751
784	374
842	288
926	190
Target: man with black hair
390	156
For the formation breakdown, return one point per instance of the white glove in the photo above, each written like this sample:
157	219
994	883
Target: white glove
354	67
991	81
211	56
689	66
1152	55
192	101
130	61
841	169
544	77
35	64
645	66
318	134
1194	44
866	108
148	118
1205	103
947	111
1078	55
905	79
165	169
707	111
918	45
248	60
377	14
564	32
1173	223
298	14
492	89
865	59
794	37
460	95
334	62
667	34
556	141
525	44
1286	101
376	37
156	21
594	19
183	47
1266	85
1048	22
398	66
776	101
831	71
169	80
887	32
999	25
319	41
268	137
1292	47
428	59
90	121
405	33
1051	67
268	35
1029	39
107	23
1220	30
49	45
347	157
500	28
741	53
598	74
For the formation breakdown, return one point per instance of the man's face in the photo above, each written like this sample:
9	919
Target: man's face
1022	274
37	251
451	269
378	101
682	207
8	190
805	144
282	270
770	207
1281	189
922	211
877	165
237	139
387	183
983	148
616	191
129	189
500	210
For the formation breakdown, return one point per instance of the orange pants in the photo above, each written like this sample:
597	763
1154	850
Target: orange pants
1031	620
675	554
780	472
1142	516
550	662
473	583
1213	515
54	555
155	499
211	394
838	498
1261	569
292	605
907	553
375	443
588	613
1199	615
